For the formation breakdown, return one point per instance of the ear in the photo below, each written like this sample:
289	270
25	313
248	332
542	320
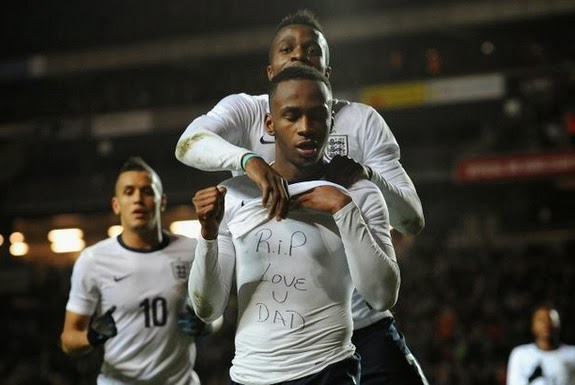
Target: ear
115	205
269	72
269	124
327	71
163	203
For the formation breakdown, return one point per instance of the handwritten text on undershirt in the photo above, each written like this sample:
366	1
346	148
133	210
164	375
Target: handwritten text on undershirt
282	284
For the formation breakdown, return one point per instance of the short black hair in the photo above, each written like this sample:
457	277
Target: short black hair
302	16
136	163
300	72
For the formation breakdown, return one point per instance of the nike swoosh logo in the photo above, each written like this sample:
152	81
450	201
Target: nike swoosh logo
263	141
119	278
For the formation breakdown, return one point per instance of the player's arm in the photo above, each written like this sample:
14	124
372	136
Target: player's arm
212	143
406	211
383	158
74	337
81	332
212	271
514	375
83	329
364	228
367	242
381	165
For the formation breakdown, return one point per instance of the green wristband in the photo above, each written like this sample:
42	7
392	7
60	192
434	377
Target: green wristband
247	157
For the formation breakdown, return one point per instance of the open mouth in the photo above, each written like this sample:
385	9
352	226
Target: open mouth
139	213
308	148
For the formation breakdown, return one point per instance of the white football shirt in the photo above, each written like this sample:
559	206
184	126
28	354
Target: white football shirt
529	365
149	289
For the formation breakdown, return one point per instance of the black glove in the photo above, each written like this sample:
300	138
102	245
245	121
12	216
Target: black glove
102	328
191	324
346	171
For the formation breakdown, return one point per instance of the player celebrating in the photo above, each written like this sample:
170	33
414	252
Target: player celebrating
136	283
294	277
232	136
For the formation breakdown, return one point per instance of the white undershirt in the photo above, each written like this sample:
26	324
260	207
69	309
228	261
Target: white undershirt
295	279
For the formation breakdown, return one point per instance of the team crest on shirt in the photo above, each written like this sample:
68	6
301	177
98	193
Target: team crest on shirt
336	145
181	270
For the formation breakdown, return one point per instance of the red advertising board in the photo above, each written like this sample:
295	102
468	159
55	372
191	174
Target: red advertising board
514	166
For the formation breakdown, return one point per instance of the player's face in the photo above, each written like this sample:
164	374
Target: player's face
300	121
138	201
545	323
298	44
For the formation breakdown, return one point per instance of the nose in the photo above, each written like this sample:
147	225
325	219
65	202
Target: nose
138	195
299	54
305	127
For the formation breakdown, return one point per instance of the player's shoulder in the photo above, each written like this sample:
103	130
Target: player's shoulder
244	99
523	350
346	108
106	248
181	239
103	246
569	349
241	188
363	186
180	247
360	121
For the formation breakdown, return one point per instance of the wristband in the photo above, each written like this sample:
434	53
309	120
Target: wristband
247	157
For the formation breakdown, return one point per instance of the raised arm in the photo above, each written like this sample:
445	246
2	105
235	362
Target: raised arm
405	210
379	161
216	142
211	274
366	239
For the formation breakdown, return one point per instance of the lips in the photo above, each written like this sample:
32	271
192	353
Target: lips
139	213
308	148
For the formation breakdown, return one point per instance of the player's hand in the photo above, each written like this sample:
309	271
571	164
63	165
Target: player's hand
275	195
209	205
345	171
191	324
326	199
102	328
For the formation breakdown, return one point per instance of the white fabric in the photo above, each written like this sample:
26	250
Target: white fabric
557	366
359	132
149	289
294	279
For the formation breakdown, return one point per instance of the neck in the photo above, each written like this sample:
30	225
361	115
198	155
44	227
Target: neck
547	343
142	239
293	173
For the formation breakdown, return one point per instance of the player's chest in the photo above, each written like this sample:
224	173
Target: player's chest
139	275
300	238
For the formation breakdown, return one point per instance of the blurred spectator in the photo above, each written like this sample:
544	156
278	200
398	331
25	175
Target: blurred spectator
546	360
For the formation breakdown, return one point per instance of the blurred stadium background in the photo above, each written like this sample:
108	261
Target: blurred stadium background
479	94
